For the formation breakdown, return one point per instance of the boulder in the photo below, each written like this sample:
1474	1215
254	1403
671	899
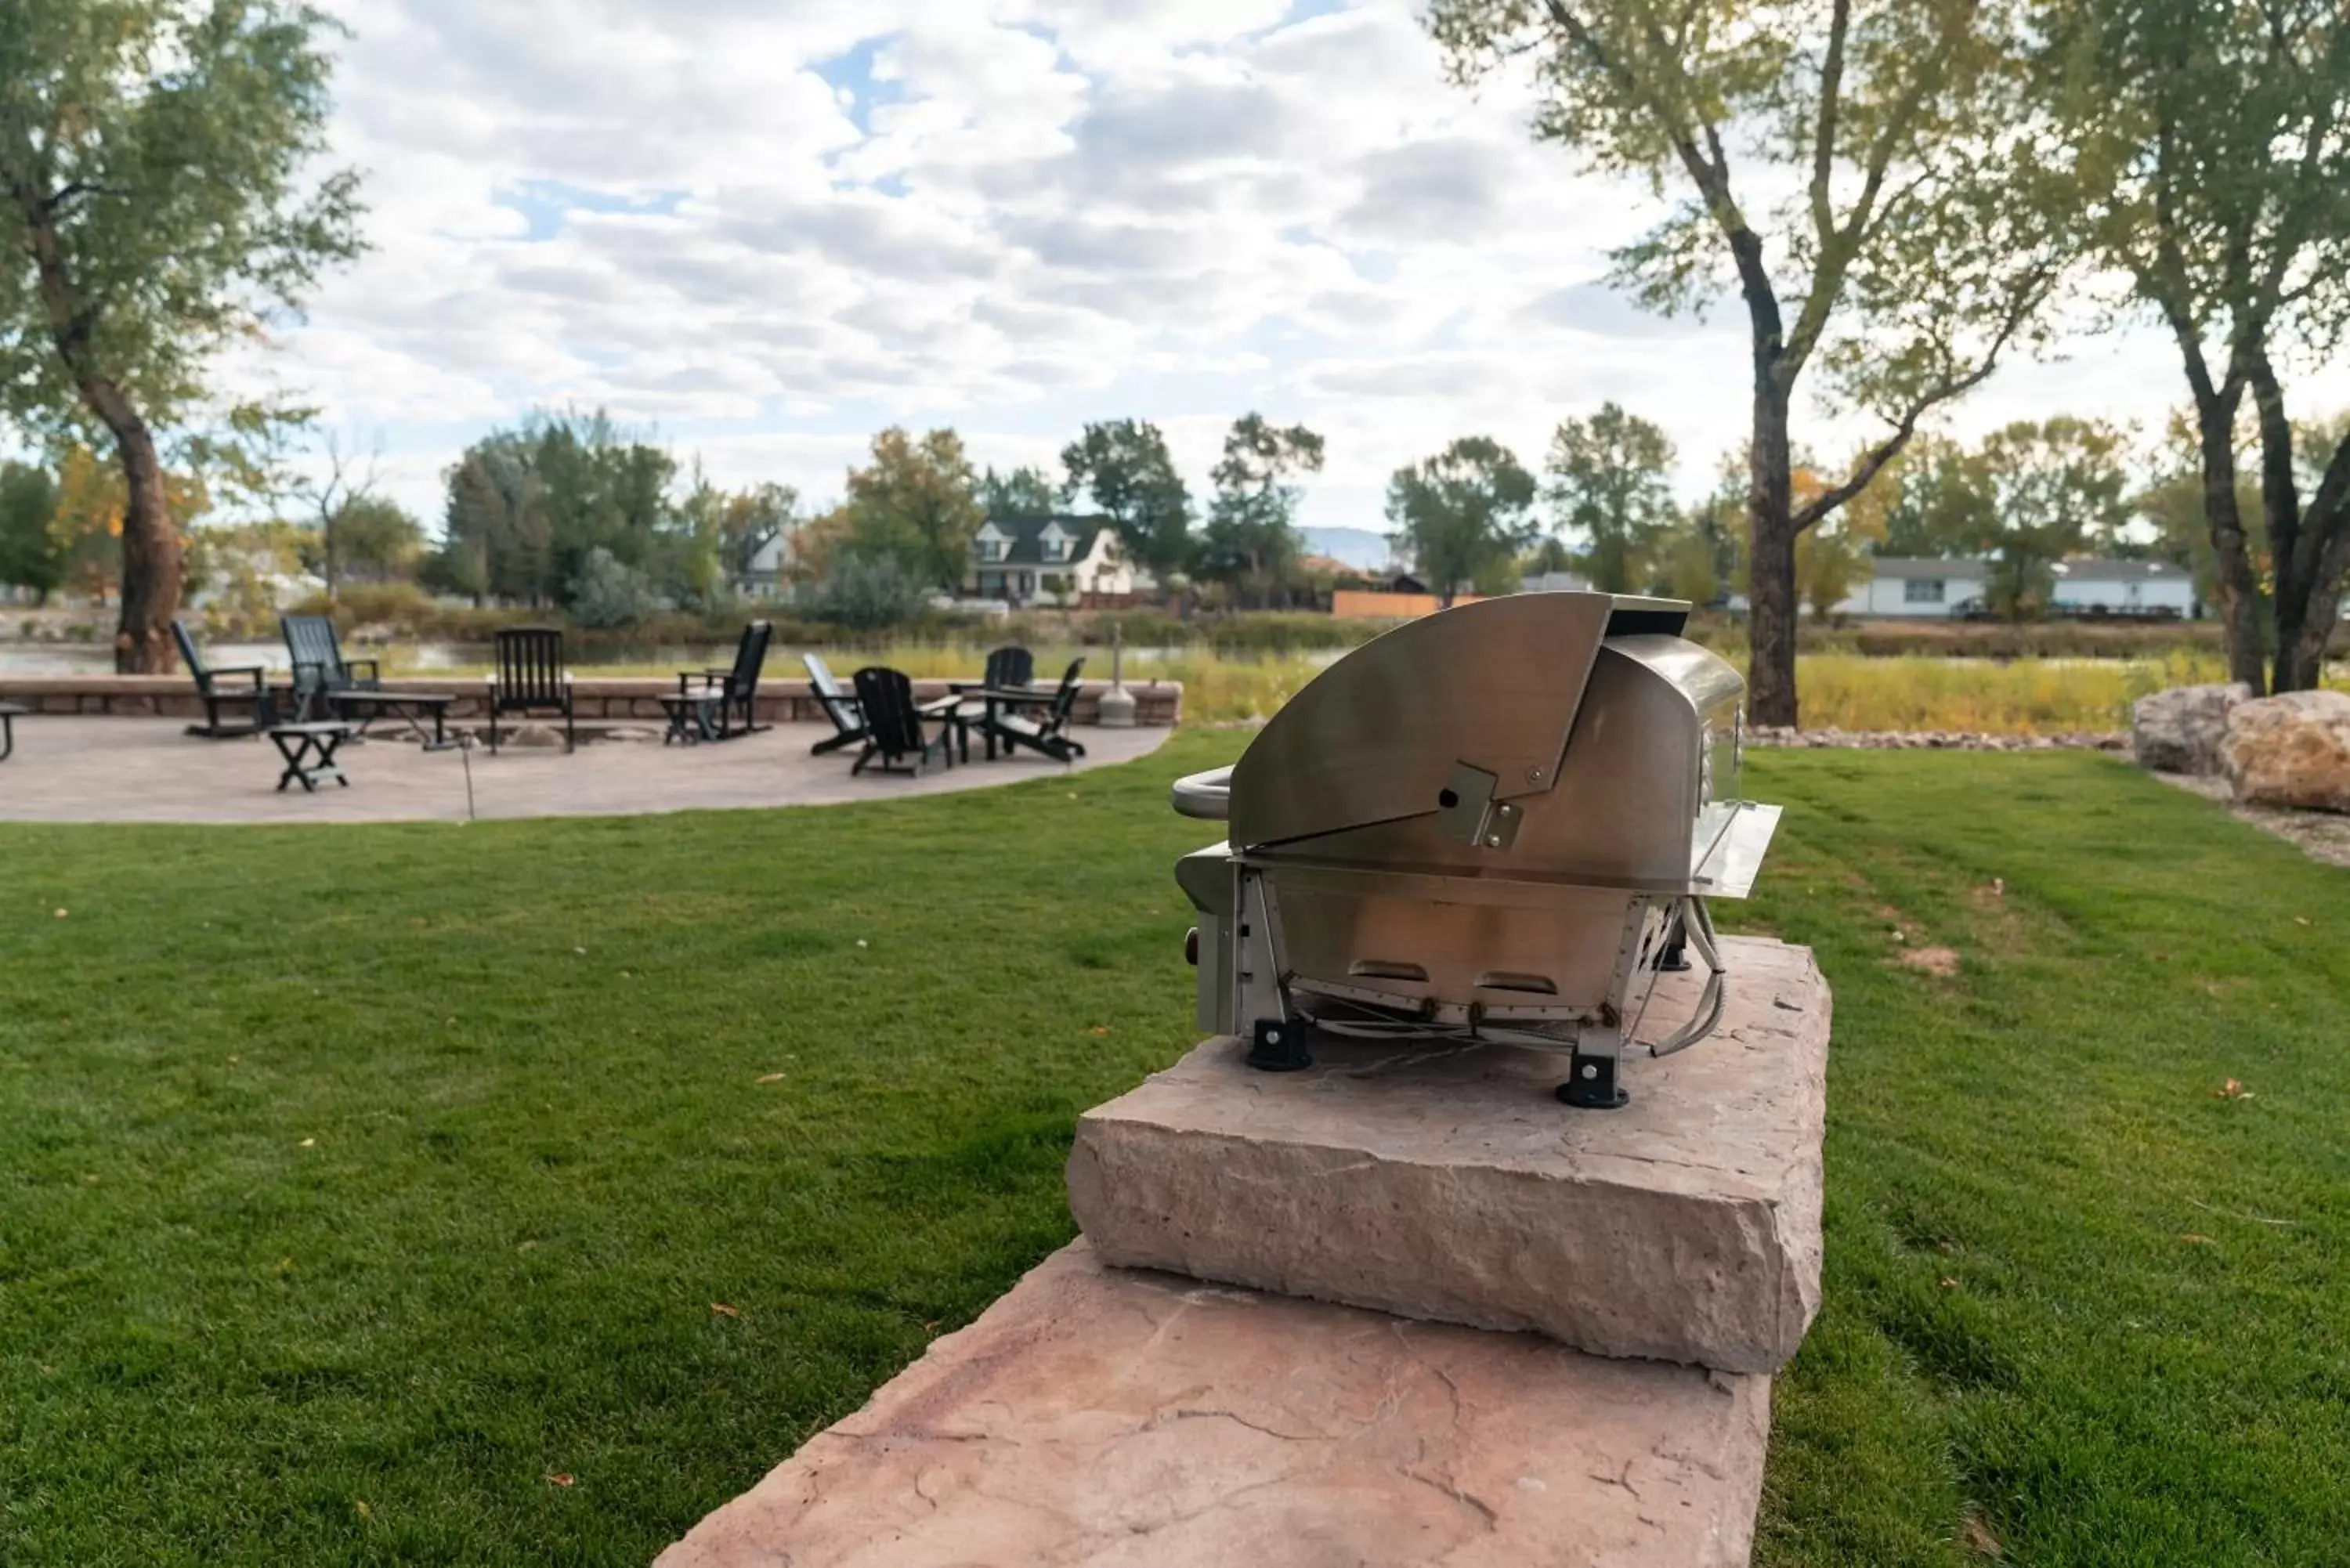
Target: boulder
2291	750
2178	730
528	735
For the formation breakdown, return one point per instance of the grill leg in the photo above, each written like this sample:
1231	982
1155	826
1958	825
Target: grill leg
1279	1047
1591	1085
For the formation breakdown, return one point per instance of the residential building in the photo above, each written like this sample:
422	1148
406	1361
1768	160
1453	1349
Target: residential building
1903	586
2125	587
1553	582
1058	560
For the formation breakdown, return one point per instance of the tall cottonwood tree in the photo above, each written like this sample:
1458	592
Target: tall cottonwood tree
1905	259
155	208
1461	512
1610	482
2211	145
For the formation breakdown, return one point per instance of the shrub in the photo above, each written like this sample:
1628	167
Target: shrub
608	592
871	595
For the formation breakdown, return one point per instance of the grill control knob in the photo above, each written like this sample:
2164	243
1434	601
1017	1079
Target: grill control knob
1192	947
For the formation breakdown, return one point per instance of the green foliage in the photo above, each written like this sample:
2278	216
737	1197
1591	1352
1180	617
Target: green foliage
608	592
1017	495
917	504
1250	539
527	507
376	540
166	147
1462	515
732	529
870	593
1125	465
1610	482
29	553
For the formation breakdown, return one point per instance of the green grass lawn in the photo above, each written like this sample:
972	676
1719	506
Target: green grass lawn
518	1192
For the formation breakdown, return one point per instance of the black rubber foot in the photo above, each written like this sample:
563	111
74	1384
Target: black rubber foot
1593	1087
1279	1047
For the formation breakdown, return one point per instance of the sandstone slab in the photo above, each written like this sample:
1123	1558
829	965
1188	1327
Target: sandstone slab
2291	750
1117	1419
1449	1184
2180	731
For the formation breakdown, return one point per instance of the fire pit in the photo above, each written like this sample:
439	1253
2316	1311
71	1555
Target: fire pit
1498	823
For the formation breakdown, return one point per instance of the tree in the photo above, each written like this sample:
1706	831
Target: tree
1909	244
1933	500
1017	493
1252	534
2050	489
1125	466
1608	481
918	503
29	556
375	539
154	211
87	523
1462	511
528	506
2213	169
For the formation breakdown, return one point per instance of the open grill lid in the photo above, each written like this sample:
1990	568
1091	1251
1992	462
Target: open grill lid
1377	736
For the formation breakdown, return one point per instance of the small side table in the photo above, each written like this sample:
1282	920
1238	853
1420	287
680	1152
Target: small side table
309	753
9	713
692	715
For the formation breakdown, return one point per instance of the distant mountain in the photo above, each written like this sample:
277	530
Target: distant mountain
1360	548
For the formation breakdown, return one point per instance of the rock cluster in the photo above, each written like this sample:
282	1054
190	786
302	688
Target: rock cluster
2291	750
2180	731
1934	739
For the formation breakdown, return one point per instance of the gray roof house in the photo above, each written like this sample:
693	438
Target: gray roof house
1063	559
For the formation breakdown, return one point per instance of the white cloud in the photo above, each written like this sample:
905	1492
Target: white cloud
772	229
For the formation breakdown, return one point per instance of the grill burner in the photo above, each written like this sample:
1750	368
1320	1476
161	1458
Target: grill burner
1497	823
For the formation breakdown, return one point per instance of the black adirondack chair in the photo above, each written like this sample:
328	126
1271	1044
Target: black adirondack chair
320	670
893	725
531	679
1010	667
229	684
1045	731
738	687
848	718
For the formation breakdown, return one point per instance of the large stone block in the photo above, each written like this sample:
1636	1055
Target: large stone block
1123	1420
2178	730
2291	750
1450	1184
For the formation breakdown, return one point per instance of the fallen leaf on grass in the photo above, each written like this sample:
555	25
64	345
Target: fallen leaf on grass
1101	1029
561	1477
1948	1283
61	914
1978	1536
723	1310
364	1510
309	1143
2200	1240
2300	920
581	951
2233	1089
769	1078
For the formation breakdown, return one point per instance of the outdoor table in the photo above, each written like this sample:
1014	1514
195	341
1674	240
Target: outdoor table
9	713
692	715
995	697
309	751
410	708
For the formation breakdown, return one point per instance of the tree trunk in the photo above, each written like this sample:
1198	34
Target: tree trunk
2292	560
151	563
2238	591
1771	576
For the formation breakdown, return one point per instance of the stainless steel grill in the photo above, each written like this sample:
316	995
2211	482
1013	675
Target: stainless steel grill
1500	822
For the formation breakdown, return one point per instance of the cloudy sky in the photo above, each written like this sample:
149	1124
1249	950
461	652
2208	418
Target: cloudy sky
767	229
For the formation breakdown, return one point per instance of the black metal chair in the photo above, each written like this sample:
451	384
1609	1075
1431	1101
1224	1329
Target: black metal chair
320	670
1045	733
246	683
893	724
848	718
531	679
738	687
1010	667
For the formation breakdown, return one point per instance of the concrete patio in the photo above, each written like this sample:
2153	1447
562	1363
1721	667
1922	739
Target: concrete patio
91	769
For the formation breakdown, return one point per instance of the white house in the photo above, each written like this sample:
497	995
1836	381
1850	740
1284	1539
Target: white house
2125	587
1553	582
1058	560
1906	586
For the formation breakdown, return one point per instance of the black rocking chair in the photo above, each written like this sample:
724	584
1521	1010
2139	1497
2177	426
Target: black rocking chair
848	718
321	673
531	679
893	724
246	683
737	690
1047	732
